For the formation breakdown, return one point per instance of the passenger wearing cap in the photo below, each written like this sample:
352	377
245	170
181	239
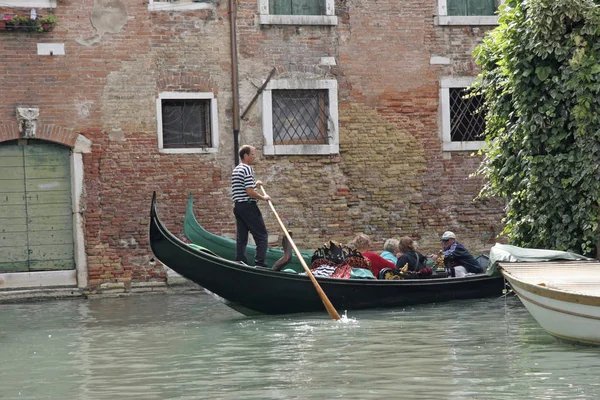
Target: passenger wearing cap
456	255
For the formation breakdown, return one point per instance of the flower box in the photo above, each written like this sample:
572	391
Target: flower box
17	22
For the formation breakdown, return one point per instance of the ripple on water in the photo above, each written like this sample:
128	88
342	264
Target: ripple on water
193	347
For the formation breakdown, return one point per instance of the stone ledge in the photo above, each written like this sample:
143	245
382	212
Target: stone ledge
181	285
9	296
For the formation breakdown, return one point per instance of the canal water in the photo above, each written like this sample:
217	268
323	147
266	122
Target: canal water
190	346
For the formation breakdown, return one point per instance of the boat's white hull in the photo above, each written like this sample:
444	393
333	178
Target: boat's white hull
567	307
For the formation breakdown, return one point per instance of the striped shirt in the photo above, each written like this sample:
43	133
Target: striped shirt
242	178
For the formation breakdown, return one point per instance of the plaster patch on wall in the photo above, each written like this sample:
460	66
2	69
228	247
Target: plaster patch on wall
327	61
128	243
439	60
83	108
108	16
116	135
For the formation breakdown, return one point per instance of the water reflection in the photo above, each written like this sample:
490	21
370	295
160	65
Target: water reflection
192	347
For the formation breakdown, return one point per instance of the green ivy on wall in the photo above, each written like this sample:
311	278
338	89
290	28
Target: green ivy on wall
541	83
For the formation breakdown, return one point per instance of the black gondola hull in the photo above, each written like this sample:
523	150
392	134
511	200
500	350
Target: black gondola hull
271	292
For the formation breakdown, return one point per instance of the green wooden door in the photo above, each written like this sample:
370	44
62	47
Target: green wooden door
36	216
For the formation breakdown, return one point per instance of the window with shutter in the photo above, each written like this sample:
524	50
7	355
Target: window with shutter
297	7
471	7
297	12
468	12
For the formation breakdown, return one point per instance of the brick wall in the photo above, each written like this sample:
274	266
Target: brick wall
391	177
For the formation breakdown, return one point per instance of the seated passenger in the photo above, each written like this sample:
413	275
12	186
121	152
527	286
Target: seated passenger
458	257
362	243
410	256
390	249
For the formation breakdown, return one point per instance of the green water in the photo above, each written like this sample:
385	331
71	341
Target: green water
190	346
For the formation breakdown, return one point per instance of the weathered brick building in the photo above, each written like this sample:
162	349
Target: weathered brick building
361	127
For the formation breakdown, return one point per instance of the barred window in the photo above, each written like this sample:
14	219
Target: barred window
466	124
462	124
300	116
187	122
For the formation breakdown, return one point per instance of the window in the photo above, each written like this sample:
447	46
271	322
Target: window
297	7
462	126
300	117
28	3
468	12
471	7
180	5
297	12
187	122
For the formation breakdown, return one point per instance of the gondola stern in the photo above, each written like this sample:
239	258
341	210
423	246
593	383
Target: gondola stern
153	205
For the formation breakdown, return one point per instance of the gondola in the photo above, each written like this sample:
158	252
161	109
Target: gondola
225	247
259	290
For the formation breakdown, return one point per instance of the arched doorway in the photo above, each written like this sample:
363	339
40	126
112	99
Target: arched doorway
36	207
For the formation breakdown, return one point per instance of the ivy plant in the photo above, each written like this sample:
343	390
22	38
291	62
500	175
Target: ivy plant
540	80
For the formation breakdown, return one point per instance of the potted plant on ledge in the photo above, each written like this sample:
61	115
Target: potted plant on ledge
7	22
46	24
24	23
11	22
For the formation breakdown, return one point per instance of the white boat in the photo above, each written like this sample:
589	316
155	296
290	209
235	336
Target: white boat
563	296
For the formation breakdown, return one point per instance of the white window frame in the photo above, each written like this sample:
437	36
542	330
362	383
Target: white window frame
28	3
444	19
301	149
268	19
448	144
214	121
154	5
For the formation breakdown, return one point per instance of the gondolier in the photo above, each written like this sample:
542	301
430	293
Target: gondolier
248	217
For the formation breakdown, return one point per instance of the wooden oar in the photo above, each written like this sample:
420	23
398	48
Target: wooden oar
330	309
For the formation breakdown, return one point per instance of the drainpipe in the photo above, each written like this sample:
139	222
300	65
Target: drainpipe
234	80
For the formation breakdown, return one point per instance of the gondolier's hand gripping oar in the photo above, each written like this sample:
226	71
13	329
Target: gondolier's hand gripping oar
330	309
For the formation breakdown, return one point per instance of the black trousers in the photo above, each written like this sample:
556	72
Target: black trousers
248	218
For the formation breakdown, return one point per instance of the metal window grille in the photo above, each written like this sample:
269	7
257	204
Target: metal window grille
186	123
300	116
466	124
